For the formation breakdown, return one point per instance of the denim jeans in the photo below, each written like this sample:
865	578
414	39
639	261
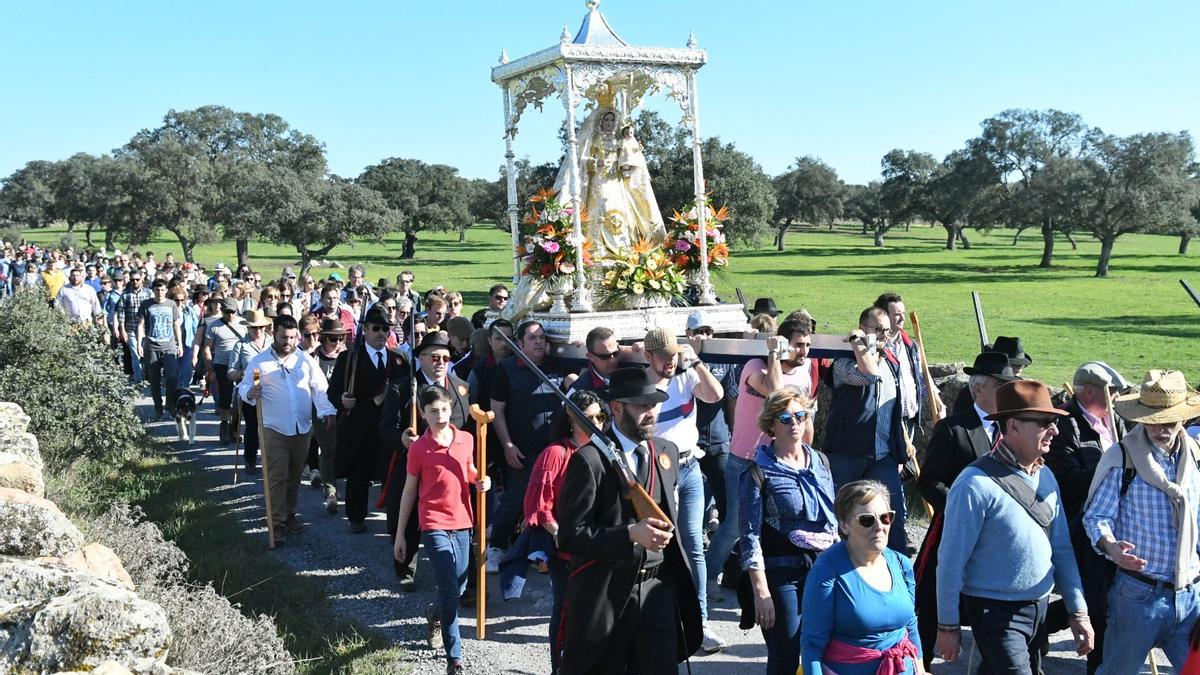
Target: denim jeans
1140	617
722	541
161	374
783	639
447	550
691	527
849	468
512	502
1009	634
135	364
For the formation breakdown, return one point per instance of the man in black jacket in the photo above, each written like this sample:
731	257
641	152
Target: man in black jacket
957	441
630	605
356	389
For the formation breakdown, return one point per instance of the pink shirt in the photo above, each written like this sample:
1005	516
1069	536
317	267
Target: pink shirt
746	435
545	483
444	472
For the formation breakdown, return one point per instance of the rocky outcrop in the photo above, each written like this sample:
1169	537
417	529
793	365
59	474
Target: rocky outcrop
66	606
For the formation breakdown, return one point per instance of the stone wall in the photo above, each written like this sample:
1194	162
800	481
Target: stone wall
65	605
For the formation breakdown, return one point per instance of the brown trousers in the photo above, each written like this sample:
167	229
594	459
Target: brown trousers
286	456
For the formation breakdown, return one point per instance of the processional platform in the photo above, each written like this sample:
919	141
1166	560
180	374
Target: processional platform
633	324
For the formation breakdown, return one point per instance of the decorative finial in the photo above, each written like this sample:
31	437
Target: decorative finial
503	56
566	35
592	4
691	43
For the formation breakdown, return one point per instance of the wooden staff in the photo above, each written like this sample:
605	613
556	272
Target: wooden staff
262	448
912	454
937	410
235	423
482	419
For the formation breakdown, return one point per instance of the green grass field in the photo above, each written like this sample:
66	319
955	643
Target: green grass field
1137	318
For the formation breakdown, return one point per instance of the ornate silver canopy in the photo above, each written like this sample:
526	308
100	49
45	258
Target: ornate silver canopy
597	64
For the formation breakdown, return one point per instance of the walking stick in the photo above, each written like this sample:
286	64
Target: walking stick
936	410
482	419
262	448
235	423
1153	664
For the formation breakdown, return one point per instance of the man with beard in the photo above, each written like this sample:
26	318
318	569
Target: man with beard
357	389
433	357
630	605
289	387
1142	515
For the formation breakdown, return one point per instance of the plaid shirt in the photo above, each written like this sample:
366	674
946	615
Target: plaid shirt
1142	517
128	306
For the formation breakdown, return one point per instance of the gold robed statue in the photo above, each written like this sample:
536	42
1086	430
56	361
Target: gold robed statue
614	186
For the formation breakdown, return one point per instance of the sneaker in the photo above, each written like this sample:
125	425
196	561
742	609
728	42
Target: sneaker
357	527
711	643
314	478
454	667
294	525
306	474
331	502
408	580
494	555
433	628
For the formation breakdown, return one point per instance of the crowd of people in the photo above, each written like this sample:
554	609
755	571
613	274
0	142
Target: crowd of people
650	475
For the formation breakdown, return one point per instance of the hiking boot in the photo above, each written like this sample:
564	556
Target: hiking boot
433	628
455	667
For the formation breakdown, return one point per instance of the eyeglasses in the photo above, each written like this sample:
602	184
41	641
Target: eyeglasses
792	418
438	358
867	520
312	335
1041	422
606	357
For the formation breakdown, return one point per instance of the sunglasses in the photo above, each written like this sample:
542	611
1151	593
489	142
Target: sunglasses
606	357
438	358
501	298
335	338
596	418
287	295
867	520
376	328
1041	422
792	418
311	335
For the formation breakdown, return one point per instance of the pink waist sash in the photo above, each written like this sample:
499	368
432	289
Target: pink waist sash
892	662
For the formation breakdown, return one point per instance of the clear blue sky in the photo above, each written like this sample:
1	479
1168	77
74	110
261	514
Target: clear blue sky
842	81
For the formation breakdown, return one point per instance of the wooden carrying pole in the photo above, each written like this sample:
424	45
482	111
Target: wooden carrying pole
266	468
936	409
482	419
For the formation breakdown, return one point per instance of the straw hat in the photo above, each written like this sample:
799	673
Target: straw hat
255	318
1163	398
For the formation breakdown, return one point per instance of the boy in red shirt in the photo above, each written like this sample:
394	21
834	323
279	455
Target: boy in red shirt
441	470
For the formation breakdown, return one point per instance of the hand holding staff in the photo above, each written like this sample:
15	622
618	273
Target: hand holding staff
262	449
482	419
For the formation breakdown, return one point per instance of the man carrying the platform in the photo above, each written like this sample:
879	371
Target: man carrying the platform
603	358
1007	545
356	390
908	357
433	359
630	603
677	370
957	441
1142	514
524	427
864	433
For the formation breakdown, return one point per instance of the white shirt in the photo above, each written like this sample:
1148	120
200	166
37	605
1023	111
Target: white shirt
377	355
629	449
79	302
988	425
290	389
677	417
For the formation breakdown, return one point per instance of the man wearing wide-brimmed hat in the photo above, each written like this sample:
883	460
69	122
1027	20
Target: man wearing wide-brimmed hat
1006	543
254	343
631	605
331	342
1142	515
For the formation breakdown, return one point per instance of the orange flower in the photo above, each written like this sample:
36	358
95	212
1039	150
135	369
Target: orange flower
643	246
719	251
543	195
533	217
722	213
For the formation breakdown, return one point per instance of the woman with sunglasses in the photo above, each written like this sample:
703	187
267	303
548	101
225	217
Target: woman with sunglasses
786	518
541	500
859	617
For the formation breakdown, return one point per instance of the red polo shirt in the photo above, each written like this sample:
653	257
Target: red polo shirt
444	475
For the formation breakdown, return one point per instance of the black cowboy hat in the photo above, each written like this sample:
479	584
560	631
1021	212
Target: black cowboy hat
765	306
993	364
435	340
376	316
1012	347
633	385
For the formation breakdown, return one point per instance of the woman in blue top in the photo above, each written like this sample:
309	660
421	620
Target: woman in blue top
785	518
858	599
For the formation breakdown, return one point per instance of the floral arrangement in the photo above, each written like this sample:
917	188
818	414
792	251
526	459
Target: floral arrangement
642	277
548	249
683	237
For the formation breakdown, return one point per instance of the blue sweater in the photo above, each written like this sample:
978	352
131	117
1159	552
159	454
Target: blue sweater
839	605
992	548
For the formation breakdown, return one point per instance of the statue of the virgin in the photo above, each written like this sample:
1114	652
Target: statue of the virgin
614	185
